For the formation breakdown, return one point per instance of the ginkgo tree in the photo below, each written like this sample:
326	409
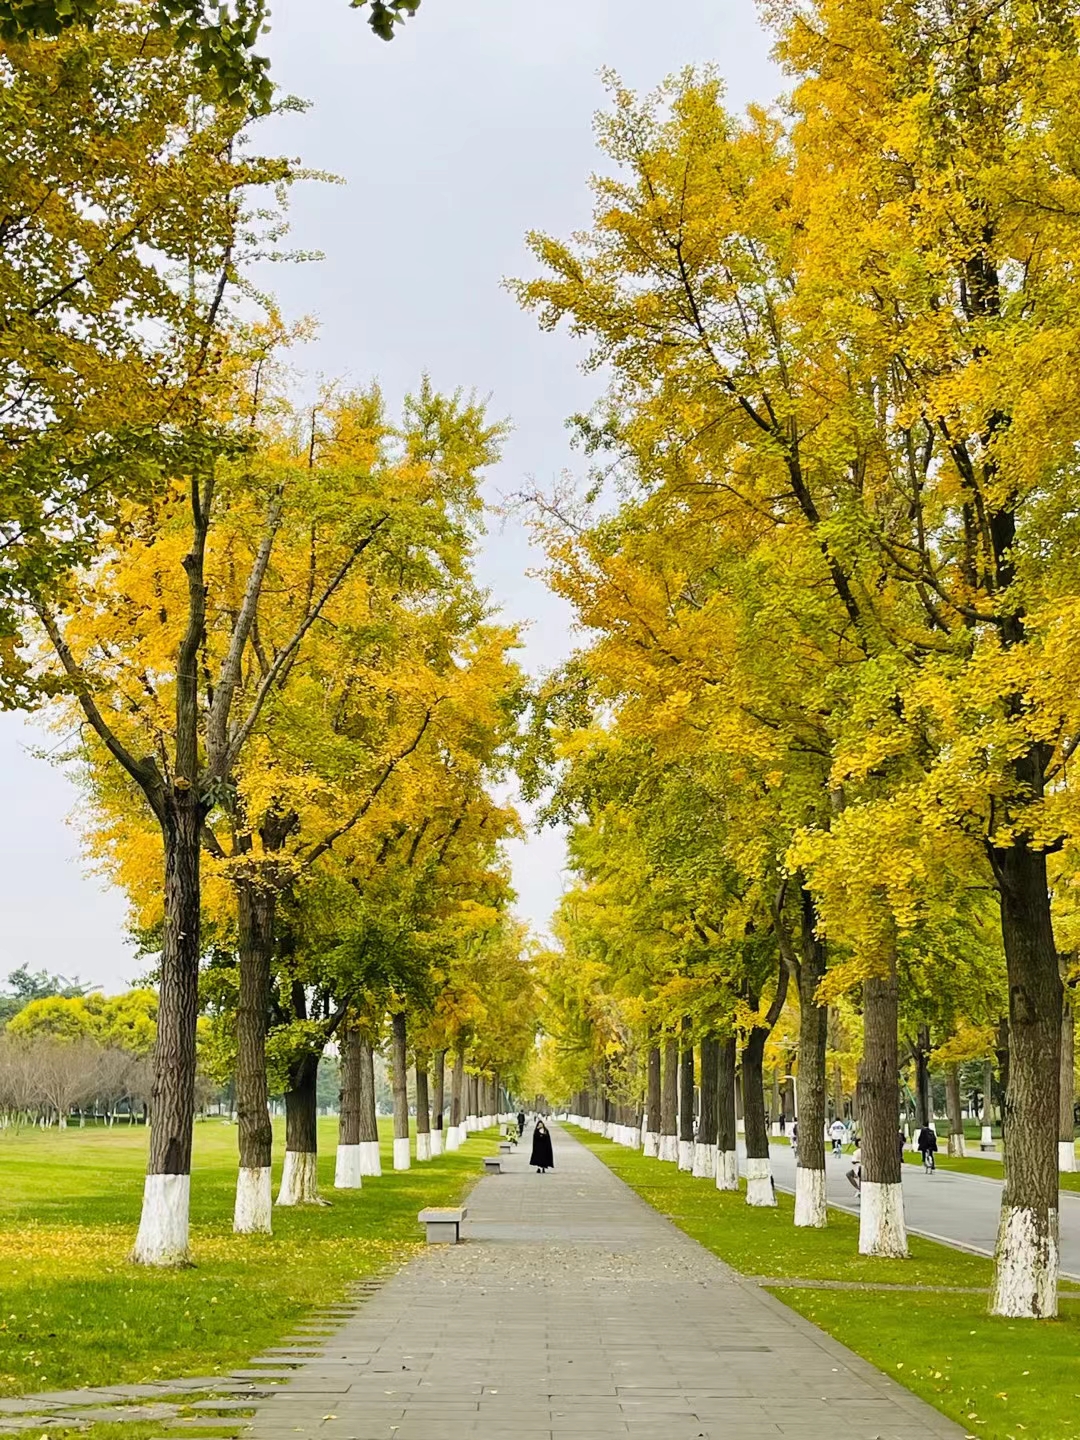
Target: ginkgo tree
845	321
132	200
178	644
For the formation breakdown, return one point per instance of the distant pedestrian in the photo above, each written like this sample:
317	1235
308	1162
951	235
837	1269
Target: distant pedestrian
903	1145
854	1175
541	1155
837	1134
927	1143
521	1123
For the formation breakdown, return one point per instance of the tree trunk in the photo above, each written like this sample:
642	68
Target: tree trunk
881	1210
348	1174
759	1187
299	1178
811	1209
652	1104
709	1117
669	1102
727	1154
954	1105
1026	1258
438	1103
370	1158
423	1122
686	1103
1067	1090
455	1134
163	1226
256	908
399	1066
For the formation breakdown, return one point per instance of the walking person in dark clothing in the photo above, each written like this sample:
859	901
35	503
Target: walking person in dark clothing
521	1123
927	1143
541	1155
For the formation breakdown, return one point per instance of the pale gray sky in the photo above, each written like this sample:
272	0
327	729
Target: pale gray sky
471	128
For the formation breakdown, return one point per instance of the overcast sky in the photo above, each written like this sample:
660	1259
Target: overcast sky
472	127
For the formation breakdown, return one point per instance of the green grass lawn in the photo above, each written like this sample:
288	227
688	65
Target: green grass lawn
74	1311
999	1379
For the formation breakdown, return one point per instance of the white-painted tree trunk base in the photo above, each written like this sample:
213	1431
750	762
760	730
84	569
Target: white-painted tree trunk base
1066	1156
453	1138
705	1161
956	1146
811	1206
669	1149
609	1130
370	1158
254	1208
401	1152
163	1225
727	1169
686	1154
299	1179
436	1143
881	1220
1025	1266
423	1145
986	1138
651	1145
348	1174
759	1187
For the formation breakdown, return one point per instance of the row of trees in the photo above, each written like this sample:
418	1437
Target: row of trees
43	1080
254	622
817	748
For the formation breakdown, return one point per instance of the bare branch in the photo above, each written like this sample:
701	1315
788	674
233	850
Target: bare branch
242	731
217	730
143	772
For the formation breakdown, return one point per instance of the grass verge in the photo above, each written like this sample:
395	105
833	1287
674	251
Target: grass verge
999	1379
74	1311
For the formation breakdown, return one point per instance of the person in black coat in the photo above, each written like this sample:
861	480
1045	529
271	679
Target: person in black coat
521	1123
541	1155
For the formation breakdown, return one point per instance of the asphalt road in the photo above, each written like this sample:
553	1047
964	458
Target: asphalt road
959	1209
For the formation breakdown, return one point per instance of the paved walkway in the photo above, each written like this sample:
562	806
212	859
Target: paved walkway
577	1311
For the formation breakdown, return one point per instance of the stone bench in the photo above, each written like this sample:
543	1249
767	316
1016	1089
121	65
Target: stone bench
505	1147
492	1164
443	1227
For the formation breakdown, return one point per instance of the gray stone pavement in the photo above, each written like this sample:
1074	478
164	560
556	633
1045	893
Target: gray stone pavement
959	1209
574	1310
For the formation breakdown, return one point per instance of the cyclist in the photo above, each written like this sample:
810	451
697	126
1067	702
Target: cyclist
927	1145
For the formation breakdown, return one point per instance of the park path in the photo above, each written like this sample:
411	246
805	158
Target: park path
575	1310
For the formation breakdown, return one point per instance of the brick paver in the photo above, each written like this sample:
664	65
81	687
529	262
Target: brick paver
575	1310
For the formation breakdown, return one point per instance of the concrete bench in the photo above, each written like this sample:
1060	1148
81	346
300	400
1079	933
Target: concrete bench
492	1164
443	1227
505	1147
